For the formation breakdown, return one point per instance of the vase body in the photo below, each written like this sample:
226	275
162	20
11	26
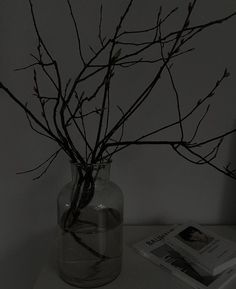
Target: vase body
90	247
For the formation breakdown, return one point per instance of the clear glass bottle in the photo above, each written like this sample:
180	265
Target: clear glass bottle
90	251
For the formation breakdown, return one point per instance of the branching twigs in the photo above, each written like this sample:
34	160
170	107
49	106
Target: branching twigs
172	45
209	140
28	112
210	156
66	140
154	28
58	86
41	63
146	92
112	59
126	64
199	104
149	44
49	162
172	35
79	78
213	153
52	156
33	65
203	160
173	85
229	173
32	126
42	100
181	43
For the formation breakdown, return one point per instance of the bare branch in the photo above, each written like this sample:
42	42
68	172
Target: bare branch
69	108
197	106
209	140
41	164
47	167
33	65
199	123
226	172
35	129
109	74
101	39
77	31
28	112
117	142
173	86
42	100
154	28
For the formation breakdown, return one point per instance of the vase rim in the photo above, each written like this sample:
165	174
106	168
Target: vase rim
77	164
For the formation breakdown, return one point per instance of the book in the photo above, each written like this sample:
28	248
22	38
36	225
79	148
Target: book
205	248
157	251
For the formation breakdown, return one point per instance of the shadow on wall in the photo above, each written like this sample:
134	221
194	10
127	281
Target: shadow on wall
228	211
20	268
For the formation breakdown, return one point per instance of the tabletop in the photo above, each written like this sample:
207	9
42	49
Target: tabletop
137	271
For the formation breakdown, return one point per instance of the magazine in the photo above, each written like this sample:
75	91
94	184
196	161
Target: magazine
156	250
204	247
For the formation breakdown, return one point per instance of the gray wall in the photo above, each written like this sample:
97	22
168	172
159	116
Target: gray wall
158	185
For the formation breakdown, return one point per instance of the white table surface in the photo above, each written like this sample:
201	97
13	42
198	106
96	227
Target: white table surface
137	271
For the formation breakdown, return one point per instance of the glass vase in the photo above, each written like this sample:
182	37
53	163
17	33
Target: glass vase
90	221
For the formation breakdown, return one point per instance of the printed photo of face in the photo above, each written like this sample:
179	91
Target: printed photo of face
198	236
194	238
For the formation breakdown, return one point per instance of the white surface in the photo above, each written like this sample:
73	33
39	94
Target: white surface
137	271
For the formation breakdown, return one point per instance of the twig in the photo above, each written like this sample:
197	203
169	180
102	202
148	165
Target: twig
40	165
77	31
199	123
101	39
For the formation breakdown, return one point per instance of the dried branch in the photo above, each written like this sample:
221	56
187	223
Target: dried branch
33	65
173	86
110	155
42	100
28	112
47	167
67	112
154	28
50	159
126	64
213	153
77	31
35	129
112	59
229	173
199	104
209	140
146	92
199	123
101	39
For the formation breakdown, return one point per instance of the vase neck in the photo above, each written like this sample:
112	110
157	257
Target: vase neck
100	171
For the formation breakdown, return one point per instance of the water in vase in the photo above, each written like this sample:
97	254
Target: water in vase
90	253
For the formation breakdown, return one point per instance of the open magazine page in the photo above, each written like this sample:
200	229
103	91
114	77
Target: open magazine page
157	251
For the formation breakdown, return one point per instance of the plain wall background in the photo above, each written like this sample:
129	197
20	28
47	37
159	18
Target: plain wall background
159	187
